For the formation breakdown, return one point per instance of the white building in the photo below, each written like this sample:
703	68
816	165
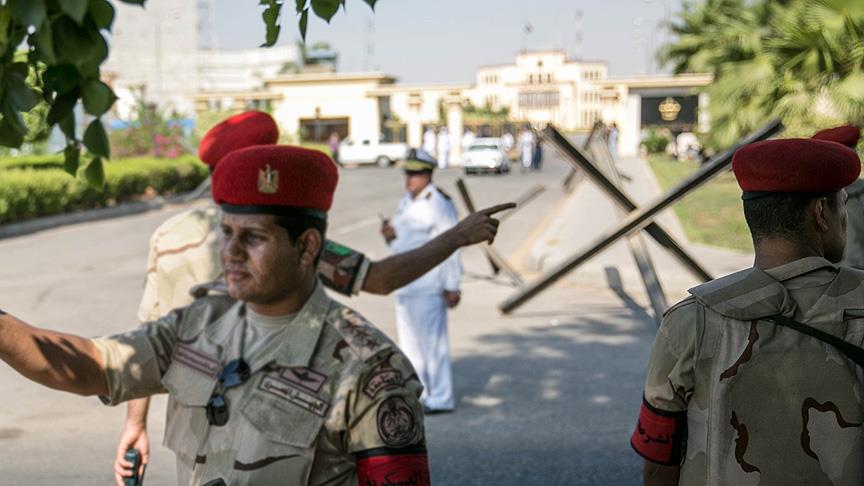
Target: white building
538	88
543	87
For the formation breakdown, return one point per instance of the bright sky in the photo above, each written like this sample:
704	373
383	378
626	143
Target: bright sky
438	41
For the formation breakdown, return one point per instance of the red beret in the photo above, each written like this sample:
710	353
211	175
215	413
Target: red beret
795	165
236	132
275	179
847	135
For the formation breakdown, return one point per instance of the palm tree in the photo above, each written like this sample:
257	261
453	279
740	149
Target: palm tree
800	60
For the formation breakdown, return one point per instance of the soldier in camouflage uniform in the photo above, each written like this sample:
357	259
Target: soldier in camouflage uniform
740	389
270	381
184	253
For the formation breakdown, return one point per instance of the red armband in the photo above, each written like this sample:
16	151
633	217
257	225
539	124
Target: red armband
660	436
379	467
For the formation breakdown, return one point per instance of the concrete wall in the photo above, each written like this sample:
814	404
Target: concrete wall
331	101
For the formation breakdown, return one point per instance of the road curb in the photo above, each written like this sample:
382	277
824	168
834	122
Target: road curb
40	224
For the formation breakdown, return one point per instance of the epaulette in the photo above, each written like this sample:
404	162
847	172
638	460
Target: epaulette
688	300
744	295
446	196
216	287
361	336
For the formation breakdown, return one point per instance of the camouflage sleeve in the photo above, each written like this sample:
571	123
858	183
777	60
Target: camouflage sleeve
661	430
148	309
342	269
135	361
385	425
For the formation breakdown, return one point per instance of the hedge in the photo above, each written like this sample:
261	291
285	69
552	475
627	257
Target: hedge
53	161
30	193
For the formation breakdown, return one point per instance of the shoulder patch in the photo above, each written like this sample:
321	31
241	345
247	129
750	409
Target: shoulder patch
360	335
384	379
397	424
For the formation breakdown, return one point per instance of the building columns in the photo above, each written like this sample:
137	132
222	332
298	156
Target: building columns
455	127
630	132
415	125
703	116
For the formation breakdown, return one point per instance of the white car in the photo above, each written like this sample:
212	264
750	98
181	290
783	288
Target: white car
485	155
369	152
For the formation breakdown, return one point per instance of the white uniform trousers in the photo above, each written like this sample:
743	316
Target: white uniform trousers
421	321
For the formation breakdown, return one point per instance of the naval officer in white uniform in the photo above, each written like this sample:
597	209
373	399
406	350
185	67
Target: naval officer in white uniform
421	307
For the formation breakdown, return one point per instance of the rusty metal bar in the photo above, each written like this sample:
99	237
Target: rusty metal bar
496	260
523	200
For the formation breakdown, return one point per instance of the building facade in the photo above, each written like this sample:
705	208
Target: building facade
539	88
543	87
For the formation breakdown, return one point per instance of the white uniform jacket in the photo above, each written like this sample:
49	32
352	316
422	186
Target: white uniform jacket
417	221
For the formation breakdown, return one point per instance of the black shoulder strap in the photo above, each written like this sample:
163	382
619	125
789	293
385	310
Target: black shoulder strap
851	351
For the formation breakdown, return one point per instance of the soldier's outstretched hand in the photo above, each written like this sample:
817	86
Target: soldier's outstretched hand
480	226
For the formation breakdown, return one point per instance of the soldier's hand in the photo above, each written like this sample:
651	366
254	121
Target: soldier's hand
452	298
387	231
480	226
134	436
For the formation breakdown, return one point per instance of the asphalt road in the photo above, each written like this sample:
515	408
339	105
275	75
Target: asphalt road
545	397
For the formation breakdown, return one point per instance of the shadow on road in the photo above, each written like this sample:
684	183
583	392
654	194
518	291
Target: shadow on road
549	405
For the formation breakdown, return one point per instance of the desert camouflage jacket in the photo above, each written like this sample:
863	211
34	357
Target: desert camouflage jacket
735	399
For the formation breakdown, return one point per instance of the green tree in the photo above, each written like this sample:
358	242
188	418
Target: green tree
60	45
800	60
485	112
306	56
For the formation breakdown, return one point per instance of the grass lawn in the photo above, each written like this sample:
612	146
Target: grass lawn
711	214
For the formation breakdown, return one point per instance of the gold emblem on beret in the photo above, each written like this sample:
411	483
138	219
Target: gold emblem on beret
669	109
268	180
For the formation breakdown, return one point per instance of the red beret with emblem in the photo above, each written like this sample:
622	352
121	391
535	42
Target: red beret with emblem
847	135
794	165
239	131
276	179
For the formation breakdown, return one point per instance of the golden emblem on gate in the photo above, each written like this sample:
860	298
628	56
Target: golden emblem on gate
669	109
268	180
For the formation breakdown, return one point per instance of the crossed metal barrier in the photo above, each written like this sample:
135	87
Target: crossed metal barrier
637	218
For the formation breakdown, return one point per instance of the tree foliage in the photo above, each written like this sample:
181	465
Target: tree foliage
800	60
51	52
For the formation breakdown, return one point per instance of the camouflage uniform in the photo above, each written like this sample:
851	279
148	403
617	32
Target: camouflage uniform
184	252
329	393
735	399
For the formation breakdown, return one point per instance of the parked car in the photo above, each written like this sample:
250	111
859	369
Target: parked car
485	155
371	152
